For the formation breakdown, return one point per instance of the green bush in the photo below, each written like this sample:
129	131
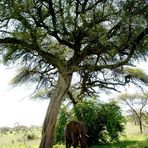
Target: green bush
104	121
114	121
63	118
88	112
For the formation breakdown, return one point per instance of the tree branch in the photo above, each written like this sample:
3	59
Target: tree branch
50	58
10	40
131	46
71	98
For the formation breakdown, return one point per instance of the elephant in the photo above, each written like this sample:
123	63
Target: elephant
75	132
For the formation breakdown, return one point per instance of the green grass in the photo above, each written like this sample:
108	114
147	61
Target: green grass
131	139
18	140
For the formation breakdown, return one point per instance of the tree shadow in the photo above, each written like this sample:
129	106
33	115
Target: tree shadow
124	144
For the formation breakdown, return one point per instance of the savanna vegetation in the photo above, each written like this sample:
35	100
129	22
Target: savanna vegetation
52	41
105	126
104	121
137	107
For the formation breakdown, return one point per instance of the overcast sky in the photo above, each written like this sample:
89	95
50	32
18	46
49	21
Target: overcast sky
15	105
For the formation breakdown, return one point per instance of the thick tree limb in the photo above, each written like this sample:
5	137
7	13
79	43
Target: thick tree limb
71	98
10	40
48	57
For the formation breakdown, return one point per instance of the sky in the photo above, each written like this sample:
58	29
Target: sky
15	105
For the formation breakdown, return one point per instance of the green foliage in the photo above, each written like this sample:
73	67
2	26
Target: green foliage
114	121
89	112
63	118
137	73
104	122
75	36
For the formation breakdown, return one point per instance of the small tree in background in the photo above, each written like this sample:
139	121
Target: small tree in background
136	103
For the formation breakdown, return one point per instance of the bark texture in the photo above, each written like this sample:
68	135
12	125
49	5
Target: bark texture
52	111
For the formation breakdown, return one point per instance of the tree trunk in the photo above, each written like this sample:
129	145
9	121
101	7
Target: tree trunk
53	110
140	124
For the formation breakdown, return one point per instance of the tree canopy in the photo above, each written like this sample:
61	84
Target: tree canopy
94	38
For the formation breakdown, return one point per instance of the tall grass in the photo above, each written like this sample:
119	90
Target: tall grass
131	139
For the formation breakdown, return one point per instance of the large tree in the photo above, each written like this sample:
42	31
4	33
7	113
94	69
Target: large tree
51	40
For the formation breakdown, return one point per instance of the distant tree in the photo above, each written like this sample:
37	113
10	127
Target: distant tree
132	117
137	104
4	130
50	40
146	118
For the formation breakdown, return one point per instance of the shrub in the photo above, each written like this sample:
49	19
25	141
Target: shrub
104	121
31	136
63	118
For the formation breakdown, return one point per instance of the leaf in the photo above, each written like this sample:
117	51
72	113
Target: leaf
137	73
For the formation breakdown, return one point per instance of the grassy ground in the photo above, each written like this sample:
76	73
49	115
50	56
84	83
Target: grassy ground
131	139
17	141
